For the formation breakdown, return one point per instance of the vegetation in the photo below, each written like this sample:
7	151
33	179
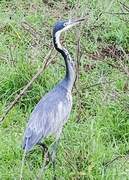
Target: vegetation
95	141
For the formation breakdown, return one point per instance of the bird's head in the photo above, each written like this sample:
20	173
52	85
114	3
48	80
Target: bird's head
62	26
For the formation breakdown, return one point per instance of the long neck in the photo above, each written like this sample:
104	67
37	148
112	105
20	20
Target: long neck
70	74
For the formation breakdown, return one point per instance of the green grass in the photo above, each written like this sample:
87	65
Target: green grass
98	127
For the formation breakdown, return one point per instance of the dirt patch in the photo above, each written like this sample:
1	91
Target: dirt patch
89	67
110	51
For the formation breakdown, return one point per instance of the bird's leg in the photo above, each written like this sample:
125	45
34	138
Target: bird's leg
45	159
44	151
52	155
49	155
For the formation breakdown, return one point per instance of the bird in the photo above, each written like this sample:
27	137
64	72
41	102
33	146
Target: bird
52	111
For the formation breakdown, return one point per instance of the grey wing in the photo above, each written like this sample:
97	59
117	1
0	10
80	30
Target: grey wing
34	130
47	118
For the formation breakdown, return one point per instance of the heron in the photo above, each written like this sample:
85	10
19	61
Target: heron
53	110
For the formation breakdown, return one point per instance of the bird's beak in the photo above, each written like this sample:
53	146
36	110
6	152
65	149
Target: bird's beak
74	22
77	20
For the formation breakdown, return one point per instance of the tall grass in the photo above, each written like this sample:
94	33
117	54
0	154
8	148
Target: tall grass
98	128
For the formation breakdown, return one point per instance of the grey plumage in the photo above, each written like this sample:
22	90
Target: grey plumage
52	111
49	116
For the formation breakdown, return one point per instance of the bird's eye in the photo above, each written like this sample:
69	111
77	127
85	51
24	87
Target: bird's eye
65	24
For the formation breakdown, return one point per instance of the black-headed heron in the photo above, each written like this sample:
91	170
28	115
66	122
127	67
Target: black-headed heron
53	110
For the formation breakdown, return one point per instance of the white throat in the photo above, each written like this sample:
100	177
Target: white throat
58	33
57	39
